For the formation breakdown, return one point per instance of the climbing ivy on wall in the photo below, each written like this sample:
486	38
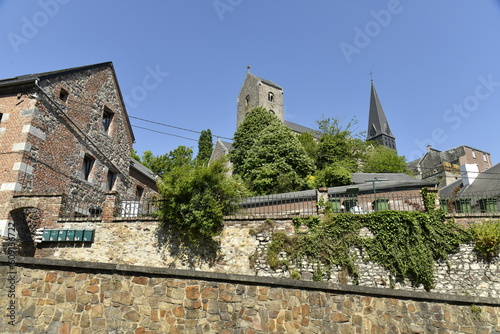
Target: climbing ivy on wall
404	243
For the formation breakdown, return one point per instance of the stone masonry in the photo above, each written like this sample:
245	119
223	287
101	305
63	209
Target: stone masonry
65	297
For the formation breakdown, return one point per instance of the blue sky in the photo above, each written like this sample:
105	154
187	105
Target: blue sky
435	63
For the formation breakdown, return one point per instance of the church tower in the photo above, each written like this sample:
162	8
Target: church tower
378	127
257	92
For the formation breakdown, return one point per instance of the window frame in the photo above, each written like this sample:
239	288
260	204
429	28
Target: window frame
87	166
107	120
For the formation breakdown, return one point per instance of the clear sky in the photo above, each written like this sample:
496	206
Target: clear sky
435	64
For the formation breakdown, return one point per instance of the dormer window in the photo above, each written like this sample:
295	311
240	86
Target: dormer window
270	97
63	95
247	100
107	117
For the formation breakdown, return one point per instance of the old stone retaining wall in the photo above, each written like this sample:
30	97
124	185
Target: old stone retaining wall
243	251
59	296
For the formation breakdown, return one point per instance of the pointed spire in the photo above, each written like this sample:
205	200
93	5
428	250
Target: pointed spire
378	126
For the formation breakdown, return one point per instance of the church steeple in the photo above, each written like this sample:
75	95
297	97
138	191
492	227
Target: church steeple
378	127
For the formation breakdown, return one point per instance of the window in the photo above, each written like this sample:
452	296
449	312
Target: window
271	111
485	157
270	97
247	100
1	115
110	180
138	193
474	154
107	117
63	95
88	162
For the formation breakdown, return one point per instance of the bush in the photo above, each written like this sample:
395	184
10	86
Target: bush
487	238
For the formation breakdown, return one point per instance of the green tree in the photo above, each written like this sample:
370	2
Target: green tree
310	144
195	199
247	134
339	145
332	176
276	162
381	159
205	147
162	164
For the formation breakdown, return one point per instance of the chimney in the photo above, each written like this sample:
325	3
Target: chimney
469	172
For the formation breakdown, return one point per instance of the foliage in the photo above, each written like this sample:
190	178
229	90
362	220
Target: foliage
429	199
381	159
487	238
311	222
339	145
309	143
134	155
247	134
195	199
405	243
205	147
276	163
162	164
332	176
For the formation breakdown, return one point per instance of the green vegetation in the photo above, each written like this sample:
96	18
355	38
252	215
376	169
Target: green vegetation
487	238
275	162
195	199
404	243
205	147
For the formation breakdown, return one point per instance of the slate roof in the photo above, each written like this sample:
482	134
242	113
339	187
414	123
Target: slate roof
377	121
487	182
301	129
142	169
267	82
388	181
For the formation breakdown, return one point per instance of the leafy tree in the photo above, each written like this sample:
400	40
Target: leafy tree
276	162
205	147
162	164
247	134
134	155
381	159
332	176
339	145
195	200
310	144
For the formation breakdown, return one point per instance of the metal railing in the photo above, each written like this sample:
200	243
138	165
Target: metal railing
132	208
486	202
73	208
297	203
366	203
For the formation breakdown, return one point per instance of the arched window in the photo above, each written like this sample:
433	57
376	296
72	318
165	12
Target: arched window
271	111
247	100
270	97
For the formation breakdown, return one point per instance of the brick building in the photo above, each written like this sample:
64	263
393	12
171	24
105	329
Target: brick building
65	138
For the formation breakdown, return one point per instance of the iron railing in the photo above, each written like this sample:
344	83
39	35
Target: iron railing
296	203
131	208
471	203
73	208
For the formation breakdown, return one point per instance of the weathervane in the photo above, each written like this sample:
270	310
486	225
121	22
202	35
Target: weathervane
371	75
248	68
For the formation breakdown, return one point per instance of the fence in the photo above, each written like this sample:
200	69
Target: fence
297	203
471	203
302	203
365	203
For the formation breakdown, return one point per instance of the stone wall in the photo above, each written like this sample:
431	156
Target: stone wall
243	251
56	296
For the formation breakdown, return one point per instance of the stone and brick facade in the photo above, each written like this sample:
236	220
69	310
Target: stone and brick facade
65	133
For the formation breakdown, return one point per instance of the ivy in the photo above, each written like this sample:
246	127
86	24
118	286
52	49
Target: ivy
405	243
